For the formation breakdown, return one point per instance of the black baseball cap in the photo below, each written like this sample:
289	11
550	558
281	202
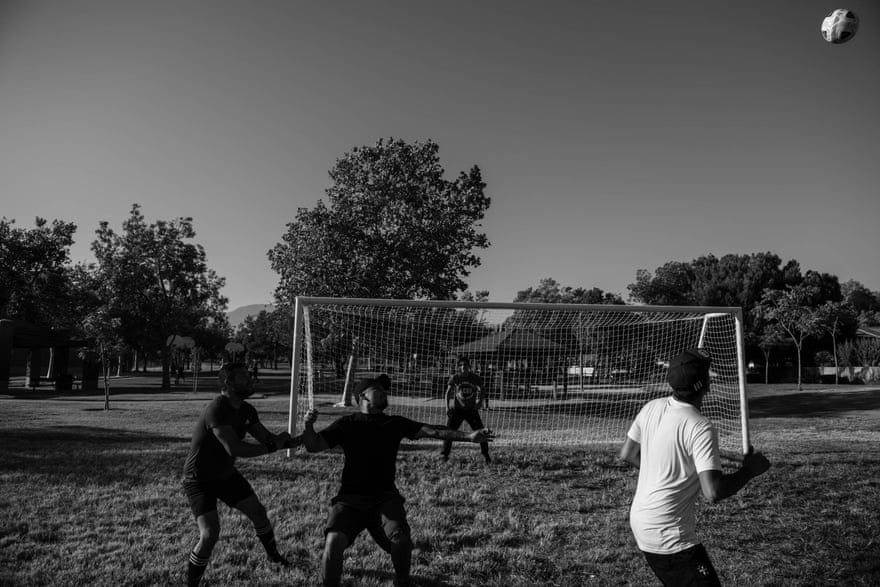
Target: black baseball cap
689	372
382	381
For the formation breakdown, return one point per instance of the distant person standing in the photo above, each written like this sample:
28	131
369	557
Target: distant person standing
676	450
464	398
209	473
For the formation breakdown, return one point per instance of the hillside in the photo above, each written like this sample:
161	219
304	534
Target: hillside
238	315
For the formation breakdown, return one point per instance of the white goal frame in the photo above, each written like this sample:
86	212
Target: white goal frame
696	323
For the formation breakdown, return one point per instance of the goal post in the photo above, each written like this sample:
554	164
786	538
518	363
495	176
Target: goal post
554	374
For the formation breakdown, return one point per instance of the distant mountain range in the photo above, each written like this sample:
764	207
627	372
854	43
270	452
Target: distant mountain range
238	315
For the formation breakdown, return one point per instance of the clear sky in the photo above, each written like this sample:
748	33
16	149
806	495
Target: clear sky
613	136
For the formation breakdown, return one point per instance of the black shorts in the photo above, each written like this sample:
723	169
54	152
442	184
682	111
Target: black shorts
385	519
203	495
688	567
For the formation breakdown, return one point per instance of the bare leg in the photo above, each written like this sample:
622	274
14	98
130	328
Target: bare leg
334	547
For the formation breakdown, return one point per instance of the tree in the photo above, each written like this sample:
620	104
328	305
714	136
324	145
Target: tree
265	335
832	317
735	280
393	227
103	330
670	285
865	302
551	292
35	281
790	310
157	283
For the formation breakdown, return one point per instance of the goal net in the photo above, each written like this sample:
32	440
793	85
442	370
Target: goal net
554	374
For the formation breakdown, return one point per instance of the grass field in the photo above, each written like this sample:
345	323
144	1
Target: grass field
93	497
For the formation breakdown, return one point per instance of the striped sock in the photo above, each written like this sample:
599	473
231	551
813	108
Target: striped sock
195	569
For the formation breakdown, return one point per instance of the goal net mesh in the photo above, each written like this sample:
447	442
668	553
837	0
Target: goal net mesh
554	374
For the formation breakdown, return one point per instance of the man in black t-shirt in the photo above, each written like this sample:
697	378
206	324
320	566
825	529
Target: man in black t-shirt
209	473
368	498
464	398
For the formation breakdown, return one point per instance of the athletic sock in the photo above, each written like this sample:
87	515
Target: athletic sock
267	538
195	569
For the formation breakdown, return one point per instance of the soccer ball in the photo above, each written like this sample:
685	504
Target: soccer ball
840	26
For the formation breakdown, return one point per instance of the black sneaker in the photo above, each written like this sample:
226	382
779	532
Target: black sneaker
276	558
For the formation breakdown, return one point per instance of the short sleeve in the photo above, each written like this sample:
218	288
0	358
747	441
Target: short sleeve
251	417
215	416
410	428
635	429
705	451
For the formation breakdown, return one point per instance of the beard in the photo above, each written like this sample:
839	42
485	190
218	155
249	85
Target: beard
378	403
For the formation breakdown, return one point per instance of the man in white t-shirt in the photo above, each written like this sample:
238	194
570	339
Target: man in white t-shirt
675	448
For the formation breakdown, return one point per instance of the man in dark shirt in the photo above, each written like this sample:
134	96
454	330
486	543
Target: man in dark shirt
209	472
464	398
368	498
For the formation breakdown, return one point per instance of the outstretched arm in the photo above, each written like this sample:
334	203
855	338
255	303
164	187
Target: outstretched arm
236	447
313	441
717	486
443	433
282	440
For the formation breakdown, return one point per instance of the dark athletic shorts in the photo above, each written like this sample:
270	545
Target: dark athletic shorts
383	518
203	495
688	567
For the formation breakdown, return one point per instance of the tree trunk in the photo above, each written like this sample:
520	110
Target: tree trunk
105	371
166	368
834	353
51	367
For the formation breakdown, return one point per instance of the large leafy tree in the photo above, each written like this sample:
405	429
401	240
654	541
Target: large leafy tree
865	302
156	283
35	280
392	227
735	280
669	285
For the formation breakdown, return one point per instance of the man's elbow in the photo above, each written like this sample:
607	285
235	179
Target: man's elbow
712	495
628	460
713	486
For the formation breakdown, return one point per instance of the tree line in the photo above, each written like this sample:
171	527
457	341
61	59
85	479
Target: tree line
391	226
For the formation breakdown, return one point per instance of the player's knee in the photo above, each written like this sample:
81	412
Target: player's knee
260	516
400	541
335	542
209	535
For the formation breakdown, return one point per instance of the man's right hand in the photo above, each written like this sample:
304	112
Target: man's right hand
311	416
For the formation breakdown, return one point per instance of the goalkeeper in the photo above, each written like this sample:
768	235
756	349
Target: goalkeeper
209	472
368	498
464	398
675	448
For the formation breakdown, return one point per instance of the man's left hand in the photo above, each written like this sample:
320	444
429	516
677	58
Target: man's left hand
484	435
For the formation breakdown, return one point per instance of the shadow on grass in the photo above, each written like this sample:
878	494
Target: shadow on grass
419	580
87	455
814	404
